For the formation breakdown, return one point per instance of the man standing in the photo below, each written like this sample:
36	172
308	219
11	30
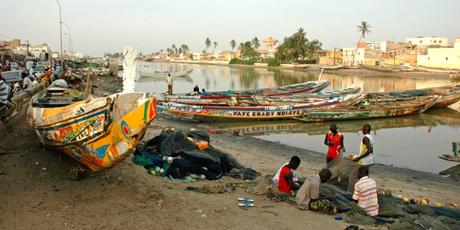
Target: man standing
365	157
169	81
366	192
334	141
366	150
309	197
285	179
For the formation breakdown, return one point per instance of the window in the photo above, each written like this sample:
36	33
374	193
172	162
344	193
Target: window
420	41
428	58
447	59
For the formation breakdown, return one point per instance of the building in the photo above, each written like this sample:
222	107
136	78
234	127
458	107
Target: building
382	46
270	48
329	57
446	57
349	53
428	41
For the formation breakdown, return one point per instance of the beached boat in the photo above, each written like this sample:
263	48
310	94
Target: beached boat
98	133
164	74
261	100
285	111
448	94
371	109
305	87
329	67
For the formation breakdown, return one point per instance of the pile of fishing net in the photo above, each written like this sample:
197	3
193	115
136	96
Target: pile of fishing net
393	212
177	154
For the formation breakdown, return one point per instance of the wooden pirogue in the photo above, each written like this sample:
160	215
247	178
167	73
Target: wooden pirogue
448	94
98	133
371	109
284	111
262	100
305	87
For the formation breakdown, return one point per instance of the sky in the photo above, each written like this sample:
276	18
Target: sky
98	26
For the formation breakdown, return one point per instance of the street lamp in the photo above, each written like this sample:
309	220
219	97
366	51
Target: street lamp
60	32
70	36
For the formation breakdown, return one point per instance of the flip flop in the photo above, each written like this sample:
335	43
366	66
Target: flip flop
246	205
246	199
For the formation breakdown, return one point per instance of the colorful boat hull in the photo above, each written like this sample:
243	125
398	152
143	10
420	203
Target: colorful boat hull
305	87
252	112
98	133
389	109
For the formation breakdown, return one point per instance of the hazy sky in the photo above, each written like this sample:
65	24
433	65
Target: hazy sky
99	26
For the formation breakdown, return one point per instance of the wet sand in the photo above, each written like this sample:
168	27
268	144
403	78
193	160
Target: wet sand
44	196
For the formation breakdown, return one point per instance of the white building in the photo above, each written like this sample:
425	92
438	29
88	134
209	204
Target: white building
428	41
441	57
347	56
382	46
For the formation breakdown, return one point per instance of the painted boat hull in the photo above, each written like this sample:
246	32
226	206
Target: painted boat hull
448	94
391	109
305	87
98	133
229	113
262	100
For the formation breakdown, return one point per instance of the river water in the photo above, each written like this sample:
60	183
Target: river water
413	142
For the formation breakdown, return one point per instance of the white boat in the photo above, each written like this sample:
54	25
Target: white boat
164	74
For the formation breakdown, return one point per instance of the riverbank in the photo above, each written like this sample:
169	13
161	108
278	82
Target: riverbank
345	72
37	191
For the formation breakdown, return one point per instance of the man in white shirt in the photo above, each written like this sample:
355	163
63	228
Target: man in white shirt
169	81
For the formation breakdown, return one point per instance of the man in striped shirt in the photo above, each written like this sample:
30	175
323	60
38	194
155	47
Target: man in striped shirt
366	192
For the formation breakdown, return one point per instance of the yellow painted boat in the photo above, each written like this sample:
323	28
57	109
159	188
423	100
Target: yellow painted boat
99	133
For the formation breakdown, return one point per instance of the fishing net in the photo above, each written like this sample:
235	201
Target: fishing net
192	153
393	211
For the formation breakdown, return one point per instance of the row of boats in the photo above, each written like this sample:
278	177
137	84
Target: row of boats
307	102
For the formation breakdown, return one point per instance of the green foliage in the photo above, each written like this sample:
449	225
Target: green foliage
233	44
247	51
237	61
273	62
255	42
297	47
207	42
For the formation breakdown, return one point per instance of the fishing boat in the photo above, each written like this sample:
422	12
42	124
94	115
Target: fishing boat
305	87
284	111
163	74
261	100
448	94
371	109
329	67
98	133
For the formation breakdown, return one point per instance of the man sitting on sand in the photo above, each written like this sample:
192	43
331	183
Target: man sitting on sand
309	197
285	179
366	192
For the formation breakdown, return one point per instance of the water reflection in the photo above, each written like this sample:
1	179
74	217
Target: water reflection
413	142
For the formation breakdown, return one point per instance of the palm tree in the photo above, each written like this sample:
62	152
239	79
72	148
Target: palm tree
174	48
233	44
312	47
255	42
215	45
364	29
184	48
207	43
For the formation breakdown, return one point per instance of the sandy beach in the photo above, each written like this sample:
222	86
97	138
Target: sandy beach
39	193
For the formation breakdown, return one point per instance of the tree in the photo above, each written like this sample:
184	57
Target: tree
364	29
247	51
297	47
215	45
312	47
161	51
174	48
184	48
233	44
255	42
207	43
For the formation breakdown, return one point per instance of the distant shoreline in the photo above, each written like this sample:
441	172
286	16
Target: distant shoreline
344	72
